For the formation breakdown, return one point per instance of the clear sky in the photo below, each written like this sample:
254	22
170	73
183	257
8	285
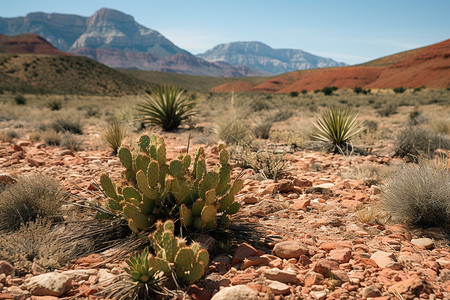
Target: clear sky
351	31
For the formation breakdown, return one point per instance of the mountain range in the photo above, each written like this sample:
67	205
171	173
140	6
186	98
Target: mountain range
117	40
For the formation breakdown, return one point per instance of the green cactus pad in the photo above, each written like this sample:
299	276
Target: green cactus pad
202	257
133	226
161	153
176	168
141	162
114	205
107	186
153	152
234	208
224	156
184	261
225	221
186	161
169	225
208	182
236	187
185	215
225	202
144	186
160	264
130	192
180	190
147	205
197	207
141	221
210	196
126	158
153	174
197	223
144	143
209	214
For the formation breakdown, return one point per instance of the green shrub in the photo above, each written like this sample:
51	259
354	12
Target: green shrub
167	107
304	92
328	90
20	100
337	126
358	90
293	94
31	197
415	141
399	90
114	134
67	123
418	194
272	166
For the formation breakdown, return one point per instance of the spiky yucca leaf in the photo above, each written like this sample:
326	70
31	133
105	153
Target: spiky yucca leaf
337	126
140	269
167	107
114	134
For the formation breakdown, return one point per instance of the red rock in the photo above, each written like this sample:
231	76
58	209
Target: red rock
250	200
35	162
243	278
285	187
289	249
43	298
302	183
244	251
325	266
313	278
385	260
335	245
6	179
341	255
370	291
17	148
6	296
304	260
197	293
254	261
23	143
5	267
90	259
301	204
281	275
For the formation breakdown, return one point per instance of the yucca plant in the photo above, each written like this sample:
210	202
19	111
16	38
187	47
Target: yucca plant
167	107
140	269
114	134
337	126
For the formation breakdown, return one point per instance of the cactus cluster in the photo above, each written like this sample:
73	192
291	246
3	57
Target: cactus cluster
171	255
152	188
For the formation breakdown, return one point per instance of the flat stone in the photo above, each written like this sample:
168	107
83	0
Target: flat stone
250	200
341	255
238	292
325	266
385	260
313	278
49	284
289	249
81	274
370	291
281	275
424	242
413	285
279	288
244	251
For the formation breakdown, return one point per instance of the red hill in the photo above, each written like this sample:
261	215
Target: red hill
428	66
27	43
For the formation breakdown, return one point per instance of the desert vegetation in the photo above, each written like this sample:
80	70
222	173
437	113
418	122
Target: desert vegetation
163	194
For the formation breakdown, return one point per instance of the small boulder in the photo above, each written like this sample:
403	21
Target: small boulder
5	267
385	260
424	242
49	284
289	249
238	292
281	275
279	288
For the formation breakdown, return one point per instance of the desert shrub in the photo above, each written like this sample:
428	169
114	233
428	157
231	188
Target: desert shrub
8	136
50	137
359	90
273	166
418	194
399	90
328	90
20	100
71	141
231	130
167	107
337	126
39	242
31	197
304	92
416	141
293	94
262	128
387	110
440	125
67	123
418	89
114	134
54	105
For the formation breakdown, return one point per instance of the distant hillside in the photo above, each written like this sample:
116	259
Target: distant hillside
261	57
427	66
27	43
117	40
38	73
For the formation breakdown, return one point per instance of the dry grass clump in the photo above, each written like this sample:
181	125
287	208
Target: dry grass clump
67	123
416	141
418	194
369	173
71	141
231	130
39	242
114	134
50	137
31	197
440	125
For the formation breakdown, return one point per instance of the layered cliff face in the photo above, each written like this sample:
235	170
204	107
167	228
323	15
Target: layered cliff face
261	57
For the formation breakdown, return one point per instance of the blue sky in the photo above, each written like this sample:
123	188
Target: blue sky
350	31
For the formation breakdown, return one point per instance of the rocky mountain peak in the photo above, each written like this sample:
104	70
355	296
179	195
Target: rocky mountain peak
107	16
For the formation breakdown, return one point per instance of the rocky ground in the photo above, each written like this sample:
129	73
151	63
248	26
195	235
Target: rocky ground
312	246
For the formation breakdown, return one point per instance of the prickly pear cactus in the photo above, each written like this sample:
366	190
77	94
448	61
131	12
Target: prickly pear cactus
153	188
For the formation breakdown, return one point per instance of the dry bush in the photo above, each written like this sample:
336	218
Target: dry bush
39	242
418	194
231	130
114	134
370	214
51	137
67	122
71	141
415	141
369	173
31	197
440	125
